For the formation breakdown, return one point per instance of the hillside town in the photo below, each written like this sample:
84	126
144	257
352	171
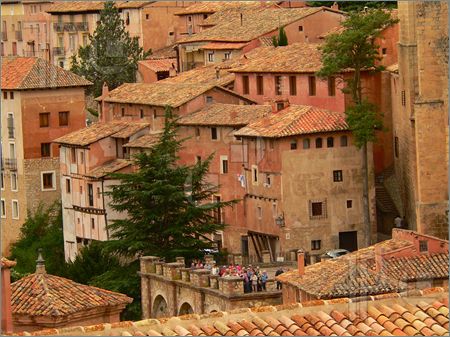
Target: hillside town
218	168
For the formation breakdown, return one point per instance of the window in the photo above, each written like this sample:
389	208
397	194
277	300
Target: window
45	150
349	203
12	150
384	51
5	95
3	208
312	85
396	147
292	85
280	106
197	133
259	212
211	56
344	141
255	174
217	211
10	123
61	64
90	195
64	118
318	143
331	86
315	244
85	40
300	28
268	180
293	144
198	159
99	193
337	176
245	85
330	142
214	133
123	112
260	85
205	16
423	246
11	95
15	209
67	185
403	98
209	99
189	18
82	157
13	181
44	119
73	155
81	189
154	114
3	180
223	164
227	55
72	41
278	85
141	113
92	223
14	48
147	16
306	143
48	180
317	209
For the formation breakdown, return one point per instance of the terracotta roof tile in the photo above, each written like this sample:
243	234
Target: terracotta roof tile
293	58
21	73
42	294
5	263
255	23
97	131
109	167
295	120
167	52
223	46
214	74
226	114
208	7
88	6
145	141
159	65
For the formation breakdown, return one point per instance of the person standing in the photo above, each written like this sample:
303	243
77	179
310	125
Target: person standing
255	282
279	272
264	278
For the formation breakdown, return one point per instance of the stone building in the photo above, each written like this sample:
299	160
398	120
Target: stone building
407	261
47	102
420	118
170	289
236	32
12	39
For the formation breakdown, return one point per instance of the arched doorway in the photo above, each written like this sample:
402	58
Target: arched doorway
159	308
186	309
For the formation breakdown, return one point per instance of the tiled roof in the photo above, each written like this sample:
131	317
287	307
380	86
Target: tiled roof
89	6
295	120
130	129
97	131
145	141
20	73
424	313
255	23
294	58
167	52
107	168
226	114
158	65
266	41
7	263
41	294
223	45
209	7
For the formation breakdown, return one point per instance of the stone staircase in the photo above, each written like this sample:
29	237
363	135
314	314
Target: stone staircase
384	201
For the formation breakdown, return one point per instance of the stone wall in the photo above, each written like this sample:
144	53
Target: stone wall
170	289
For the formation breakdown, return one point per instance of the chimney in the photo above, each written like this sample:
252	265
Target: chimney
335	6
217	72
7	326
40	265
301	262
378	258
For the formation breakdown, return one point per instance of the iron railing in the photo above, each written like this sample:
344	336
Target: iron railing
71	26
58	51
9	164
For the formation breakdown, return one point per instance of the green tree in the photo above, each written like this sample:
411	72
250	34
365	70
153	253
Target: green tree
168	205
42	229
355	48
111	56
281	40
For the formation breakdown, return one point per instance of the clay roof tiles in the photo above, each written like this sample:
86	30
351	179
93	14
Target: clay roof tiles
42	294
295	120
226	114
109	167
21	73
89	6
209	7
5	263
255	23
145	141
398	315
97	131
158	65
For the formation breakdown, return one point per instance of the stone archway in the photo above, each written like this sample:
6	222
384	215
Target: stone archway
185	309
160	307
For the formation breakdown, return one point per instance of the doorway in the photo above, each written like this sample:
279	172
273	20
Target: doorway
348	240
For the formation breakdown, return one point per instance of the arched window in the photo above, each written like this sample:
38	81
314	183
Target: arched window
318	143
330	142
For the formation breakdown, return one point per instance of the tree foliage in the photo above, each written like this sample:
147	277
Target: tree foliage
42	229
281	40
111	56
169	206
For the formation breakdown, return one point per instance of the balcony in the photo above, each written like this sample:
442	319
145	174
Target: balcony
19	35
71	26
9	164
59	51
4	36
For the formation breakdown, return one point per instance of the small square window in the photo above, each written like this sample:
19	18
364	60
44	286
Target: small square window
44	119
64	118
318	143
316	208
384	51
293	145
423	246
349	203
205	16
300	28
48	182
211	56
280	106
214	133
337	175
11	95
209	99
315	244
330	142
5	95
45	150
147	16
344	141
306	143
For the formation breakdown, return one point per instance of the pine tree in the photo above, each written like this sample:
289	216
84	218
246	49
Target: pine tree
281	40
169	206
355	48
111	56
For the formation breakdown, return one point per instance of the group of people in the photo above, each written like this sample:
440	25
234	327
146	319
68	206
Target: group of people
254	279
